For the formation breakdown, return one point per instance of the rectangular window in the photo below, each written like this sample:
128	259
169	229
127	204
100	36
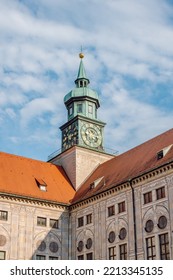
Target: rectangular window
41	221
164	246
54	223
147	197
123	252
80	222
121	207
53	258
151	248
70	110
81	257
79	108
160	193
90	109
111	210
40	257
2	255
89	256
112	253
89	219
3	215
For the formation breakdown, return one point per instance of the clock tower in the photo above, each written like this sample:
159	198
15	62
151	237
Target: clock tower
82	128
82	148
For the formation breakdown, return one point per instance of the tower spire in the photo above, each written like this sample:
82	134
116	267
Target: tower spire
82	80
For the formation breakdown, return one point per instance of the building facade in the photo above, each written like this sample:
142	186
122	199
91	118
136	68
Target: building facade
85	203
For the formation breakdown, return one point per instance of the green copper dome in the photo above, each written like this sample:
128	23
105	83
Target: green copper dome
81	89
81	92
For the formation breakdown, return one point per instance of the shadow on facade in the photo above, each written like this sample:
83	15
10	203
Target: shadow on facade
51	241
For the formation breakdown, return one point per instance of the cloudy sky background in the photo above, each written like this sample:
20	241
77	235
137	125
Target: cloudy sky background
128	46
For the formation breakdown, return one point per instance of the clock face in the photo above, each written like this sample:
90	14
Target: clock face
91	135
69	137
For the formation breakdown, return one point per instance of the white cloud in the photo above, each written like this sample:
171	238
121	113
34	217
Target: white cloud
129	121
128	55
35	108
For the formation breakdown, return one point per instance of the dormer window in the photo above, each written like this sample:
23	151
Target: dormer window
96	182
160	154
41	184
163	152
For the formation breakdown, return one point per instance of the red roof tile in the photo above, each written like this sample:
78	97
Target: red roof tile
18	176
128	165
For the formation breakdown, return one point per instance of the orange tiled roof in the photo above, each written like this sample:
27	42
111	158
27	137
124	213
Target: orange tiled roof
18	176
128	165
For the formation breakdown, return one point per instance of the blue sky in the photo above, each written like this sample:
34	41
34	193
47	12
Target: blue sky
128	46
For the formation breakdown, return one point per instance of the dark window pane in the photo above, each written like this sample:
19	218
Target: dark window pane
164	246
3	215
89	256
111	210
111	237
89	243
147	197
123	233
149	226
112	253
150	248
54	223
80	246
162	222
41	221
121	207
80	222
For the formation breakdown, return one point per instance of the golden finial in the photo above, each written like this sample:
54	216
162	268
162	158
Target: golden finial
81	55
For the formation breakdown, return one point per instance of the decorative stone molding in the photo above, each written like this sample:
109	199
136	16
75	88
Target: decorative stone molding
33	201
15	209
100	196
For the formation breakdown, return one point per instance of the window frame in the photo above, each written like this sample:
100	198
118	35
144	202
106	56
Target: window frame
40	257
81	221
79	108
4	255
70	110
123	251
80	257
41	224
151	248
90	109
89	256
111	210
164	247
55	225
112	253
2	212
52	258
121	207
89	219
147	197
160	193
